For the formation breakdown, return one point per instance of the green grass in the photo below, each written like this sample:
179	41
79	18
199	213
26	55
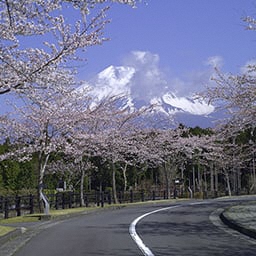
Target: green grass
36	217
70	211
5	230
20	219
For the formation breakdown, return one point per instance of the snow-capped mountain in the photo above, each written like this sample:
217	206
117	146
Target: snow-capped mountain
141	89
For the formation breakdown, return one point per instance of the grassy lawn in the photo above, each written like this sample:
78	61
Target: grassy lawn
70	211
36	217
26	218
5	230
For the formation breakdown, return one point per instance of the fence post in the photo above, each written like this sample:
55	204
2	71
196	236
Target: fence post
86	200
17	205
70	199
81	198
102	199
98	198
31	204
1	203
142	196
154	195
109	197
6	208
164	194
174	193
57	201
63	200
120	197
131	196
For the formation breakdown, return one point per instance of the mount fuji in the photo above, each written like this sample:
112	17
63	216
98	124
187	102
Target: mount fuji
142	89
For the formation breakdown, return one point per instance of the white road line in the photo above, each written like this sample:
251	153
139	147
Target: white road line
132	229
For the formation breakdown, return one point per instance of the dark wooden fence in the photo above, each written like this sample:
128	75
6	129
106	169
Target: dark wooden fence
12	206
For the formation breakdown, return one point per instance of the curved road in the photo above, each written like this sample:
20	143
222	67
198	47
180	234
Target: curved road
184	228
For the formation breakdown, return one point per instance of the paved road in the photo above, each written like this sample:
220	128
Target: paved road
189	230
184	229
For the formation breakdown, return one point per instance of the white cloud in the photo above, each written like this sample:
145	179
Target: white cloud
142	58
215	61
139	55
148	81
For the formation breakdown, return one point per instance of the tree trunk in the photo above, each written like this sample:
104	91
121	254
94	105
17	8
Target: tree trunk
167	179
194	180
239	185
228	182
114	183
205	183
182	177
234	181
42	162
199	178
82	186
212	180
124	169
216	181
253	176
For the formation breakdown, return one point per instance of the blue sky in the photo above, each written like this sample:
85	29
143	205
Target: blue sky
184	34
182	39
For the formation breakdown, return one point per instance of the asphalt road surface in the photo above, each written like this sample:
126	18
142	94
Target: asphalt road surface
183	228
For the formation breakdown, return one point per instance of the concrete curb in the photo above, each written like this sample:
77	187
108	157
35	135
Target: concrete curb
11	235
237	226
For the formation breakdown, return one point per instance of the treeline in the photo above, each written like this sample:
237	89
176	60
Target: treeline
208	167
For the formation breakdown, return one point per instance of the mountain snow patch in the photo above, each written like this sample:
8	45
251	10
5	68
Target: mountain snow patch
191	106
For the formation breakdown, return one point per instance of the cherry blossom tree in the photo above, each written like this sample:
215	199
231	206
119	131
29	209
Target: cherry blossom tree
73	171
61	30
42	125
41	75
237	95
139	153
86	139
62	120
159	148
205	158
112	140
98	131
178	152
